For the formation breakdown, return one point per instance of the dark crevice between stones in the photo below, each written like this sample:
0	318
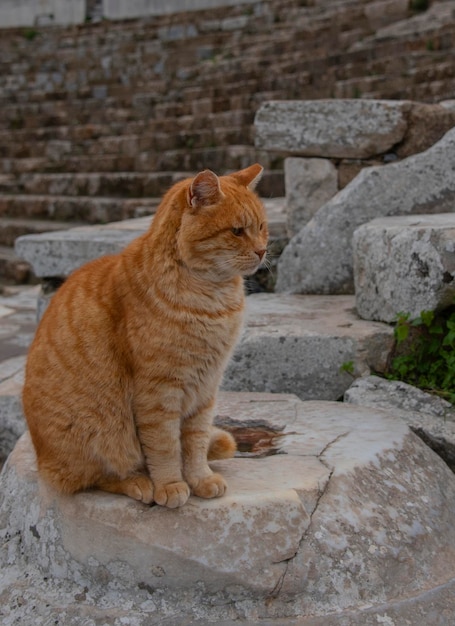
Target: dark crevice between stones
442	447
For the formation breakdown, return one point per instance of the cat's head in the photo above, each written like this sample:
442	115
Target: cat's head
223	231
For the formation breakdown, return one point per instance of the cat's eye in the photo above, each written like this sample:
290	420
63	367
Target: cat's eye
238	232
261	226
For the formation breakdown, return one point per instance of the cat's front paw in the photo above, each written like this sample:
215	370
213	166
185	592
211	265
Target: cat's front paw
172	495
212	486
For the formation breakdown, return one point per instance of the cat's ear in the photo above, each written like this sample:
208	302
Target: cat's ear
250	176
204	190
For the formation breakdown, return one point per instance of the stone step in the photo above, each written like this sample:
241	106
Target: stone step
107	184
313	478
189	131
313	346
11	228
102	163
13	269
87	209
221	159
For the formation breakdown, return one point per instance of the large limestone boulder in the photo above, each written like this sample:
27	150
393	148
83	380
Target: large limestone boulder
404	264
319	258
335	514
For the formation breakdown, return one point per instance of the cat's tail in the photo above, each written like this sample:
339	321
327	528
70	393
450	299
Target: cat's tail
222	445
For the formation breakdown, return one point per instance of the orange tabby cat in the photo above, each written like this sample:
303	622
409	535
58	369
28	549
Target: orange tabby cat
122	375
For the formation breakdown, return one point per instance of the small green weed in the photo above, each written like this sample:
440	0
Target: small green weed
425	355
348	367
30	34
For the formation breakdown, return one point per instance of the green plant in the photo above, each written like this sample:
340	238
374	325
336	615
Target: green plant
30	34
348	367
425	355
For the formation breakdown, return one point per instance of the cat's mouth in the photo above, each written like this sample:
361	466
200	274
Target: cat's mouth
254	267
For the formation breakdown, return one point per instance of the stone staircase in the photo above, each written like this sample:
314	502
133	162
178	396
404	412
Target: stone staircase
321	492
98	140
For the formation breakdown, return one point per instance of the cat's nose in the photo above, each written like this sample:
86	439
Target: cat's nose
261	253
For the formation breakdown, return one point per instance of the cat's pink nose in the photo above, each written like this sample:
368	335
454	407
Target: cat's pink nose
261	253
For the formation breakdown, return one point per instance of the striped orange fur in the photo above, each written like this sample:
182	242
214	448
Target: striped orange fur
122	375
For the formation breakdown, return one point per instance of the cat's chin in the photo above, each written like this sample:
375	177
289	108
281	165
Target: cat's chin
252	269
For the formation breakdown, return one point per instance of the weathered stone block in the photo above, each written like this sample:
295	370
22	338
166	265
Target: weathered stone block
349	490
60	253
404	264
309	183
304	345
319	258
331	128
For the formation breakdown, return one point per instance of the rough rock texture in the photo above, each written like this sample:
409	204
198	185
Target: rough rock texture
430	417
304	345
319	258
331	128
12	421
309	184
425	22
404	264
60	253
361	533
427	123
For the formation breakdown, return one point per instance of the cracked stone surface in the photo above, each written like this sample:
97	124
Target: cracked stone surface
335	515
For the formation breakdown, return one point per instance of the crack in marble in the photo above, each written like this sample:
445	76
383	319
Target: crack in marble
275	592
